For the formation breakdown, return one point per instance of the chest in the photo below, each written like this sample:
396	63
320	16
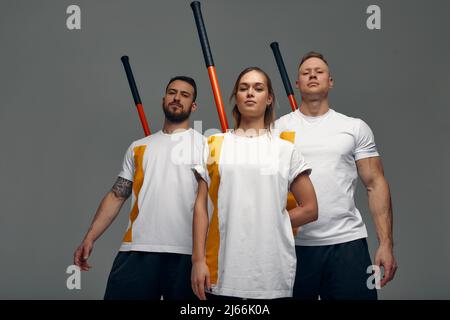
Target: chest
326	143
252	159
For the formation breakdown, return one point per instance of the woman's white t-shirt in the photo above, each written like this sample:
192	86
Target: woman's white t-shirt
250	246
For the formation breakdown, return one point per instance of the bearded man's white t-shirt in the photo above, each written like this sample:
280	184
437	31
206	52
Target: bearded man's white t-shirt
164	191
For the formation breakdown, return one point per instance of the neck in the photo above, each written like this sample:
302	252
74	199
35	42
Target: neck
314	107
170	127
252	127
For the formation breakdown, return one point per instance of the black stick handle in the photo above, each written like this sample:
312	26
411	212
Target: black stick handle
134	91
195	5
280	63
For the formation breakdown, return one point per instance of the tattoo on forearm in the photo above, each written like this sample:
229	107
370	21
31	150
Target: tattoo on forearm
122	188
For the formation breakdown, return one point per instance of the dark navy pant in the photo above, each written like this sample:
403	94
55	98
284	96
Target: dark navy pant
334	272
141	275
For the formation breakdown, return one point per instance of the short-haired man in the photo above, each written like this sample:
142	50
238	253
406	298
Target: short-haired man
332	252
154	260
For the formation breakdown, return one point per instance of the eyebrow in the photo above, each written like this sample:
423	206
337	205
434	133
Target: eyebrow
255	83
314	68
182	91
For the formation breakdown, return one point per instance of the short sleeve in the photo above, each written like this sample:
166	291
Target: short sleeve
365	142
128	165
298	165
201	167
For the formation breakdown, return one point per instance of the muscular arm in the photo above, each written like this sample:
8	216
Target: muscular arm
109	208
107	211
305	195
371	172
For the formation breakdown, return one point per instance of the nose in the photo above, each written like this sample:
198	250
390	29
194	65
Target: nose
313	75
250	92
176	97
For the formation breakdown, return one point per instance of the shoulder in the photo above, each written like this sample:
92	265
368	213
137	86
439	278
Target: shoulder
347	121
338	116
216	136
288	151
285	140
198	139
358	127
286	119
197	134
215	139
145	140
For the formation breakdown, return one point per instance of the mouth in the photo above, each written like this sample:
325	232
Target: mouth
249	102
313	84
175	105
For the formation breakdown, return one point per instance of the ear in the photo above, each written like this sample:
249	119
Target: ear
194	106
164	100
331	82
269	99
297	85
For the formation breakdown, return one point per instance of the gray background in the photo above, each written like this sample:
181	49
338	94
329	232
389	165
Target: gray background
67	116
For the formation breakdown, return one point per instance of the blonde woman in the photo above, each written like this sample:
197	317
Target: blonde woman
243	244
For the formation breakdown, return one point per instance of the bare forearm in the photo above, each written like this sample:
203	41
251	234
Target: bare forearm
302	215
381	209
109	208
107	211
304	194
199	232
200	277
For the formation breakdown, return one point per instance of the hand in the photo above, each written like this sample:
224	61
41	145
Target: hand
82	254
385	258
200	279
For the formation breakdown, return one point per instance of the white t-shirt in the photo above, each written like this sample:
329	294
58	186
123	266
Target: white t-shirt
331	144
250	248
164	191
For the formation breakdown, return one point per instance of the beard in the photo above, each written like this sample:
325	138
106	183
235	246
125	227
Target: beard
176	117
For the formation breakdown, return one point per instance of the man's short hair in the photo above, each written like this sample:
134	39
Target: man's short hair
185	79
312	54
